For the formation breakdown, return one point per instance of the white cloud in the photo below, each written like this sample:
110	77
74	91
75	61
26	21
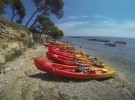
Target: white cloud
100	32
72	17
129	24
69	25
100	28
98	16
84	16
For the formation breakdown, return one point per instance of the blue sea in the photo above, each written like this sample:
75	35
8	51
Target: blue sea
120	57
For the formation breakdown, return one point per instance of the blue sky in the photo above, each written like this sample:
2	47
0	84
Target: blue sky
99	18
94	17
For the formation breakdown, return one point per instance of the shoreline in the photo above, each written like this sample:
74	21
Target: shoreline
113	59
114	63
124	72
32	84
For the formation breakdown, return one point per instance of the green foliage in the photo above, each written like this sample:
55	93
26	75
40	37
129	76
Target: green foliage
18	10
27	30
13	56
43	23
55	33
23	35
47	7
30	44
9	24
13	25
4	46
56	7
46	26
1	7
18	53
34	47
3	21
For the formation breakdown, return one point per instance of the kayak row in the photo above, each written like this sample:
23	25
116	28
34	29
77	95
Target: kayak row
72	63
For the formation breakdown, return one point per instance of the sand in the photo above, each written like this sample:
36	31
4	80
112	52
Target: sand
22	81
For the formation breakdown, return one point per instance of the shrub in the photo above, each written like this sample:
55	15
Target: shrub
18	53
23	35
30	44
3	21
13	56
9	24
34	47
4	46
27	30
13	25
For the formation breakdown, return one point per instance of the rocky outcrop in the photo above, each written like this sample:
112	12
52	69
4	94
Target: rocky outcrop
120	42
110	44
9	34
41	38
13	42
9	49
99	40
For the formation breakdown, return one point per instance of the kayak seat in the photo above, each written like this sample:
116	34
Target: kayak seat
98	65
81	69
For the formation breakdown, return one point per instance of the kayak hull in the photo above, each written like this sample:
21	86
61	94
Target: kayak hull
66	60
69	71
60	59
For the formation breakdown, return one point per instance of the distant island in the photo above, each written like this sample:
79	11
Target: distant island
99	40
116	43
120	42
108	42
75	36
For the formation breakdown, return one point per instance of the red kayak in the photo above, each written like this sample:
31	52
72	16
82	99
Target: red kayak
61	52
62	49
60	59
67	53
67	60
76	72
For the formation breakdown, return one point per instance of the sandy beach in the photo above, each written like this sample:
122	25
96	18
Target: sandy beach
20	80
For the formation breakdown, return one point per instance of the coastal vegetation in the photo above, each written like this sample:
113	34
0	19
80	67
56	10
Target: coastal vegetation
13	56
16	36
42	23
20	45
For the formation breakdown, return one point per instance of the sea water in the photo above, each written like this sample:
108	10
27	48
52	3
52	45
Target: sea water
120	57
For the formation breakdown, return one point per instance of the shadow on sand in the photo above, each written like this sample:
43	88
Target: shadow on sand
51	77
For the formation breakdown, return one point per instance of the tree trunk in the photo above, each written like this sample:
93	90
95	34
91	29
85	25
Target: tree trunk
31	17
37	19
12	18
13	15
34	23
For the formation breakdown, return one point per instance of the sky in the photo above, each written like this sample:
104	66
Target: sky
115	18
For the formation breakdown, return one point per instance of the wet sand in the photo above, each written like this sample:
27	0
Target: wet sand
22	81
